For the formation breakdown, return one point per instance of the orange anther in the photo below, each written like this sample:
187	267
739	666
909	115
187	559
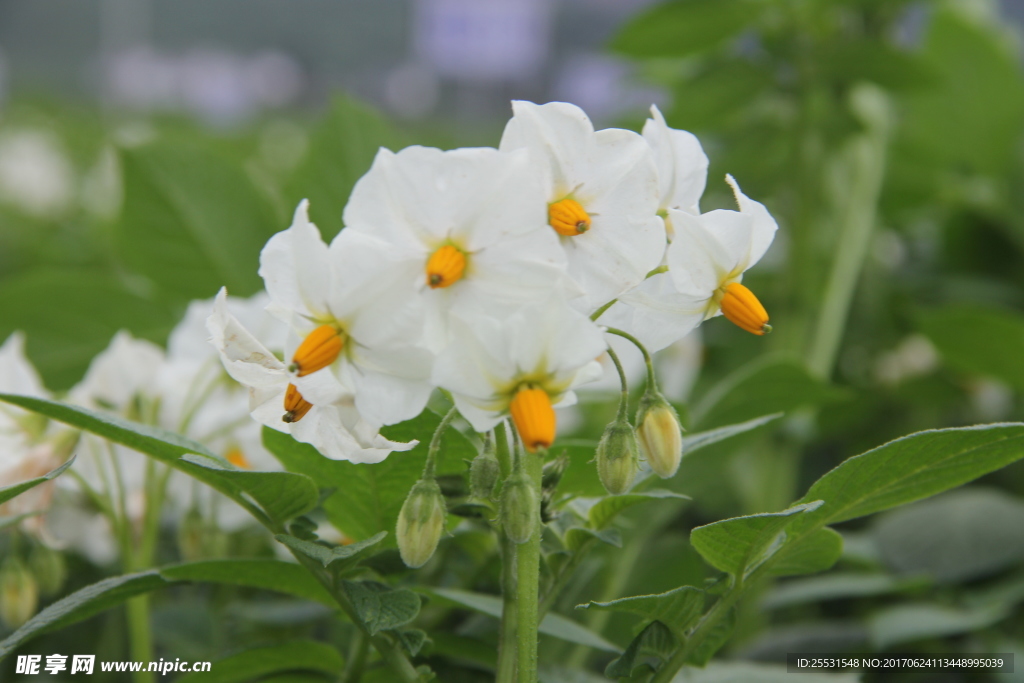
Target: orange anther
318	350
295	406
534	417
445	267
568	217
743	309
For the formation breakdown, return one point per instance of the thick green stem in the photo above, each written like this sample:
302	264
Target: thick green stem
140	636
866	159
507	631
527	584
501	449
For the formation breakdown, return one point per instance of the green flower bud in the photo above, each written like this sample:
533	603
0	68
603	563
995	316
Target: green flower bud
19	593
659	434
421	523
483	473
519	509
49	568
617	457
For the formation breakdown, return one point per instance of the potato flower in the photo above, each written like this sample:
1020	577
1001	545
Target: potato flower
681	163
601	195
335	428
706	262
521	365
466	230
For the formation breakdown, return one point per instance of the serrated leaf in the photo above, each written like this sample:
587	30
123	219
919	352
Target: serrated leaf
605	510
329	557
655	641
276	493
380	606
684	27
9	492
552	624
678	609
741	544
373	495
815	552
260	662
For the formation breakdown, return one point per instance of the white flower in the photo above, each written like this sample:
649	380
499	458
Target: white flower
334	428
681	162
523	364
362	326
466	230
602	195
706	262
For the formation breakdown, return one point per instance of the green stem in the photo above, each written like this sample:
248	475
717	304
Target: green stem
597	314
647	356
866	158
140	636
435	443
507	631
624	399
527	584
356	659
706	625
501	449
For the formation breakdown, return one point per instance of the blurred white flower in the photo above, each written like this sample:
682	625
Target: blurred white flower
601	192
335	428
523	364
35	173
706	262
466	231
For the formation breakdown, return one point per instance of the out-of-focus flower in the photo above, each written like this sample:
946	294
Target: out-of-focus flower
706	262
360	325
682	166
602	196
524	364
335	428
467	230
35	174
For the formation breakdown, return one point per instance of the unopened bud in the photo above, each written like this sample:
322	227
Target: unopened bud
483	473
659	433
421	523
49	568
19	593
520	507
617	457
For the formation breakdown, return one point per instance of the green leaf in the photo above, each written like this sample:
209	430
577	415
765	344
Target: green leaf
698	440
381	607
192	221
909	623
848	62
655	641
678	609
273	575
767	385
255	664
959	536
834	586
816	552
978	340
741	544
8	492
717	637
279	494
341	150
371	495
576	537
748	672
552	624
70	316
908	469
346	554
608	508
412	639
684	27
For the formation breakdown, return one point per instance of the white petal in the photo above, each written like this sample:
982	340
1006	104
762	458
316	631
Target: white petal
655	313
17	375
126	368
763	226
244	357
295	267
698	262
682	164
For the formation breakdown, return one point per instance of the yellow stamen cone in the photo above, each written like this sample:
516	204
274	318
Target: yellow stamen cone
445	267
534	417
743	309
318	350
236	457
295	406
568	218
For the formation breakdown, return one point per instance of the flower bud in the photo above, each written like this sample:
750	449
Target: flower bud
659	434
421	523
483	473
519	508
49	569
617	457
19	593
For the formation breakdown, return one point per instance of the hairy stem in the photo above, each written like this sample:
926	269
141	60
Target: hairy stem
527	584
507	631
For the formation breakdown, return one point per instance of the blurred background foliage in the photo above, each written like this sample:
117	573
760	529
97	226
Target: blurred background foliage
884	135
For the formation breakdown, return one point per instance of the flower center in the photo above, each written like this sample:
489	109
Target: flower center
295	406
534	417
236	457
568	217
445	267
318	350
743	309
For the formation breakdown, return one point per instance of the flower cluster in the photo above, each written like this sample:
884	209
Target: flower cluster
488	273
